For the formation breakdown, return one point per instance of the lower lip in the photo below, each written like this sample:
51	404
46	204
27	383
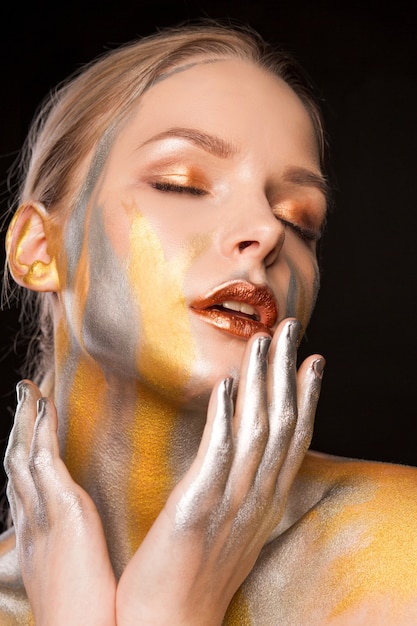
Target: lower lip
232	324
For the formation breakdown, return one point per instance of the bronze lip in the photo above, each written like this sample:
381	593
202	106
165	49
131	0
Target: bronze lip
260	297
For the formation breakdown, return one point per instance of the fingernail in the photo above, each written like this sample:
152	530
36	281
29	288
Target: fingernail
263	346
20	391
41	406
294	331
318	366
228	385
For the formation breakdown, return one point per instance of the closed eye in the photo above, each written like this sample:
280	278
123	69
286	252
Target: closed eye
306	234
175	188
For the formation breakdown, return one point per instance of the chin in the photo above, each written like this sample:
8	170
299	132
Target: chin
215	362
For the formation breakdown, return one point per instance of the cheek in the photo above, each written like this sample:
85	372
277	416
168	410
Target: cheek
125	299
304	282
103	317
167	352
111	326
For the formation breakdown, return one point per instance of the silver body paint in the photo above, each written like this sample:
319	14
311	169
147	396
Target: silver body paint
110	327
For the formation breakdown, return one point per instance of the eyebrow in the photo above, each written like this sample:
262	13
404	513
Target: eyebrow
305	177
208	142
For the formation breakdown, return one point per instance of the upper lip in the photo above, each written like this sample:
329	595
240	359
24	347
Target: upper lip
260	297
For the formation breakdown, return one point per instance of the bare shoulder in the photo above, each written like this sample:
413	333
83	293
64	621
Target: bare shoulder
368	518
375	506
349	553
364	493
14	607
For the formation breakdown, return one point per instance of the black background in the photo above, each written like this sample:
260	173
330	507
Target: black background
363	61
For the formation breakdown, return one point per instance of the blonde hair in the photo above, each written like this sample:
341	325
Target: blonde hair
71	122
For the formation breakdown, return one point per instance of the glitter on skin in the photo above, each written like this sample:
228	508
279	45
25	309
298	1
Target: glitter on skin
150	479
350	526
292	295
75	265
237	613
14	605
300	302
76	224
109	342
371	582
82	428
355	526
175	334
156	420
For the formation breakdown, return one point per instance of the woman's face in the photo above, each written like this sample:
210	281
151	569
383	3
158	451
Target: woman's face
196	228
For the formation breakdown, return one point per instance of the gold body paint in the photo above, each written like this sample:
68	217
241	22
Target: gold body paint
237	613
166	325
36	274
150	478
366	534
84	427
81	281
373	582
342	536
151	474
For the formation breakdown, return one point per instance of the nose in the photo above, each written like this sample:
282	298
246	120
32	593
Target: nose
253	232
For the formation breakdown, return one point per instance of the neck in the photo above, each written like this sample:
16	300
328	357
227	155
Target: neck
126	445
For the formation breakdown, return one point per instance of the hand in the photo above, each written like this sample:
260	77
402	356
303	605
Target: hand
60	540
217	519
213	526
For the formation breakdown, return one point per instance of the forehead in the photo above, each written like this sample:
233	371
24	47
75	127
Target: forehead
230	97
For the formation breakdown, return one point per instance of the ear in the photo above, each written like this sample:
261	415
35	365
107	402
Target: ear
30	261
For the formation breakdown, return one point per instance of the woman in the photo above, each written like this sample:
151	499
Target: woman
168	224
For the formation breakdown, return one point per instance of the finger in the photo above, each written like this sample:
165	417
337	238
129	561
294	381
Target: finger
282	389
18	448
217	435
13	503
309	379
205	481
251	415
56	490
25	416
44	450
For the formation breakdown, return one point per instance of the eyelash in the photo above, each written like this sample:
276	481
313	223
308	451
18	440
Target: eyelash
306	234
173	187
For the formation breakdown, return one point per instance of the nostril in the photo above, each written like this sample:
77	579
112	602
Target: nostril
245	244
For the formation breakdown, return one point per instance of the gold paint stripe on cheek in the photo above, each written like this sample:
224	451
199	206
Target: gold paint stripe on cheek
168	347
